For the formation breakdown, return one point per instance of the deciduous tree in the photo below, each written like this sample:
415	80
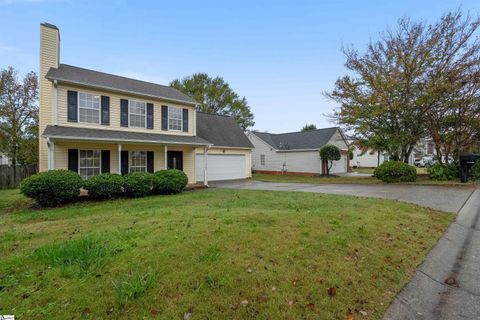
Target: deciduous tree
215	96
19	116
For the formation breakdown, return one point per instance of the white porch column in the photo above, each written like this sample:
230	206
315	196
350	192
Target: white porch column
205	173
165	157
119	159
51	154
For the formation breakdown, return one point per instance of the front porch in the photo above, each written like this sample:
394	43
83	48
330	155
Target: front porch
88	156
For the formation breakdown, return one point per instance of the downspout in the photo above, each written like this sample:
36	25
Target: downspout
55	102
205	159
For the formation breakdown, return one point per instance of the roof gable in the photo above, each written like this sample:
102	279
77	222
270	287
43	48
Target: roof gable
302	140
86	77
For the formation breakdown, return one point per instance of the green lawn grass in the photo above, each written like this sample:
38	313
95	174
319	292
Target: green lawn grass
217	254
421	179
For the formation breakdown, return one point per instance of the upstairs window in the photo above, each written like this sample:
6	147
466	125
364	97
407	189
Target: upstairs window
175	118
137	113
89	164
88	107
138	161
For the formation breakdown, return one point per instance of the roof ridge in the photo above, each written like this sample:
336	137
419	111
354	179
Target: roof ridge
277	134
116	75
216	114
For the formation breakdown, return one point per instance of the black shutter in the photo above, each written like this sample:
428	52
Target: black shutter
149	115
185	120
105	161
105	110
73	160
124	113
124	162
72	102
164	118
150	161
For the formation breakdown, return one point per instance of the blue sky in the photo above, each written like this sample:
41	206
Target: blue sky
280	55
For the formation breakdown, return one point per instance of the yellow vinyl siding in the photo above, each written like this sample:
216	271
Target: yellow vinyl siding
115	111
49	57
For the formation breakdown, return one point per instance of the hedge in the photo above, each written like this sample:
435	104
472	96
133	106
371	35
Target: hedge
169	181
395	171
52	188
104	186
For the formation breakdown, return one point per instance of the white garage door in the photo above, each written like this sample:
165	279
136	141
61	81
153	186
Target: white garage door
339	166
221	167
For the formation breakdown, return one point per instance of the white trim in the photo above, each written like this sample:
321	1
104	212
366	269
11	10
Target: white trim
129	158
50	154
99	107
120	159
165	149
55	102
78	155
145	122
181	119
126	140
226	147
205	170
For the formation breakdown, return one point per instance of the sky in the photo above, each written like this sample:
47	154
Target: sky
280	55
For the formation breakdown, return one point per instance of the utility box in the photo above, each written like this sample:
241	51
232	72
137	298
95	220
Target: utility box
466	162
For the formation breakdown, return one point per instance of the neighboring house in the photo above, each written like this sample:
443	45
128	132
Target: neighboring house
4	160
93	122
365	158
297	152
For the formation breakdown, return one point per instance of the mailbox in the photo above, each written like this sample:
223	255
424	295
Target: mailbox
466	162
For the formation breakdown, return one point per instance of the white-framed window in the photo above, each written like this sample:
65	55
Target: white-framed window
88	107
175	118
89	163
137	111
137	161
262	159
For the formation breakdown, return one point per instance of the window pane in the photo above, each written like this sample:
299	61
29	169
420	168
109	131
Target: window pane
89	108
89	163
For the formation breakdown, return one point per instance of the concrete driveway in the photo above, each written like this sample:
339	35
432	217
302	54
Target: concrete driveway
447	284
443	198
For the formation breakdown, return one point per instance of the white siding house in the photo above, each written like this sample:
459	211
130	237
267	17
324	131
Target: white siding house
297	152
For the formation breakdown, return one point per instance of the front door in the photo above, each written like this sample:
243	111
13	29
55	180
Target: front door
175	160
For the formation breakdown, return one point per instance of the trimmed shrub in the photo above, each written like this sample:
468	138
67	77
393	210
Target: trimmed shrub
104	186
52	188
137	184
169	181
395	171
445	172
474	173
330	153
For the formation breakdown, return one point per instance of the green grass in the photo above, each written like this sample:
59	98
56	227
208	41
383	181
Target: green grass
421	180
217	254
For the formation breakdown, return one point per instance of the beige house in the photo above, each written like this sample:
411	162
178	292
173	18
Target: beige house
93	122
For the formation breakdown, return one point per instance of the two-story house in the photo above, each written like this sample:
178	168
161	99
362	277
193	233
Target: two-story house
93	122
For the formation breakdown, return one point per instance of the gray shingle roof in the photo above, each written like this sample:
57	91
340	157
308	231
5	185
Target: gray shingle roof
75	133
222	131
102	80
314	139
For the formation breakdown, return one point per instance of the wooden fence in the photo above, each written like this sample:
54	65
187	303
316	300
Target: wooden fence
11	176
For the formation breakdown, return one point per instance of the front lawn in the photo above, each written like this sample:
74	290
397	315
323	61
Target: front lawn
370	170
217	254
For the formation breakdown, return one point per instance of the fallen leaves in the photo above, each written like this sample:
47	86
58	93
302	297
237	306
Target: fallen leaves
332	291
